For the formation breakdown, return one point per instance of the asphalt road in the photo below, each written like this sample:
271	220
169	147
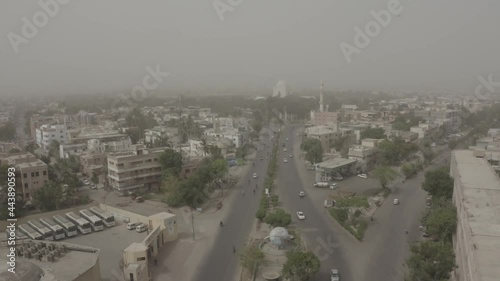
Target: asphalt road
222	262
386	240
316	230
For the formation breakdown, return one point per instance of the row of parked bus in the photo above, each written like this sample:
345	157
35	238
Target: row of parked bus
68	225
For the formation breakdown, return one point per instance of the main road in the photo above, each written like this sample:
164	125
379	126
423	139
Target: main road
221	263
316	230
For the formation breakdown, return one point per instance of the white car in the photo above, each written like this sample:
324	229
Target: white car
302	194
132	225
141	228
334	275
395	202
291	156
86	182
301	216
254	175
284	149
363	176
285	160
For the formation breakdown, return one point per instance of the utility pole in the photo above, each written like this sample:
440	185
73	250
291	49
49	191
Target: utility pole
192	223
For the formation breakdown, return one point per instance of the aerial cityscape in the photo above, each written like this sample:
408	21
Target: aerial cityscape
249	141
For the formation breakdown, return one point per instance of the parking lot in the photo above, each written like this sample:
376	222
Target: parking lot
111	241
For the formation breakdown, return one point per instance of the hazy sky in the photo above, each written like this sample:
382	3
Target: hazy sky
91	46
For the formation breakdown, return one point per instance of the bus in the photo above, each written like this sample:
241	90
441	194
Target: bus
30	232
42	229
68	227
107	218
82	224
56	229
95	221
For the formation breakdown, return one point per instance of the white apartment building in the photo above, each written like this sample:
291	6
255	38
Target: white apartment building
139	168
45	134
226	133
110	145
476	194
424	129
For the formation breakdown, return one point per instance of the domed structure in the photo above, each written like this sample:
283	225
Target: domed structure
25	271
280	90
278	236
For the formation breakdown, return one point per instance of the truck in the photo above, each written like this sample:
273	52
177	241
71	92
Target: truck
325	184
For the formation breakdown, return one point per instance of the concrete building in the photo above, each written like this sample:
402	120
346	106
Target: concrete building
324	134
476	194
50	261
424	129
74	149
324	118
93	163
46	134
139	168
231	134
31	172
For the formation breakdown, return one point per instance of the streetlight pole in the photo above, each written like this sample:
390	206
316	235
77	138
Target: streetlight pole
192	223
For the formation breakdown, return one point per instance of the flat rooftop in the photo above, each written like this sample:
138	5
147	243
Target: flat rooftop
481	191
335	163
77	260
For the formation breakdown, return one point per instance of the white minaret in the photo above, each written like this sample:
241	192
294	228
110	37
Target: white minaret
321	106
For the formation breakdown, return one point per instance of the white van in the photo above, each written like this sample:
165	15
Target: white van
141	228
132	225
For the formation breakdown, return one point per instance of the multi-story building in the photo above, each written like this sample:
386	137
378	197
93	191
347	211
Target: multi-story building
476	194
324	118
231	134
139	168
93	163
46	134
325	135
31	172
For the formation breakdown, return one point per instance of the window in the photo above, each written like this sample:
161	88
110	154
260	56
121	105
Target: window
141	259
32	174
37	174
26	185
25	175
44	173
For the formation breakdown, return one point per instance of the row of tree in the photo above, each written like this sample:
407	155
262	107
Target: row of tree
434	259
313	150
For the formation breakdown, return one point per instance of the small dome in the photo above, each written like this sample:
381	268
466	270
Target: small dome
278	236
25	271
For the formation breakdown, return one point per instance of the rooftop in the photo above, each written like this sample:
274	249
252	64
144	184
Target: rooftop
75	261
481	202
335	163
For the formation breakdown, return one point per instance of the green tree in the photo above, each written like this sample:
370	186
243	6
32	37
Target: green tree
385	175
50	197
54	149
430	261
135	118
300	266
408	169
274	200
441	221
313	149
428	155
251	257
438	183
278	218
171	162
373	133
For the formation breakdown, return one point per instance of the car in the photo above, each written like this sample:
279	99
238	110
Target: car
301	216
261	158
333	185
284	149
396	201
86	182
444	161
93	186
334	275
285	160
254	175
363	176
286	139
302	194
425	234
141	228
132	225
291	156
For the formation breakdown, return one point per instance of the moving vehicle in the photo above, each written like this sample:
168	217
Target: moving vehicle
291	155
363	176
396	201
95	222
86	182
254	175
69	227
338	177
107	218
141	228
328	203
57	230
325	184
285	160
284	149
334	275
132	225
302	194
42	229
82	224
301	216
